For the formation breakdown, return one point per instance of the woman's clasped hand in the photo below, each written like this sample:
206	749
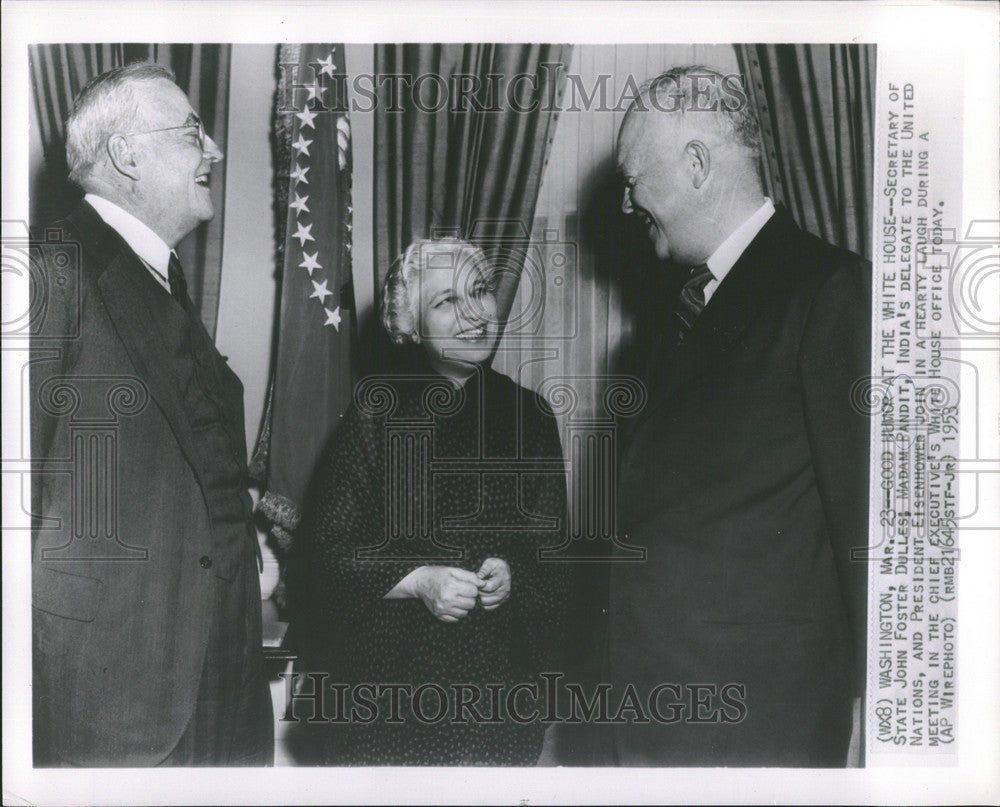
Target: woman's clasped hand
450	592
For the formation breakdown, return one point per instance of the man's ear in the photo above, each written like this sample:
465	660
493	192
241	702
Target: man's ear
699	162
122	156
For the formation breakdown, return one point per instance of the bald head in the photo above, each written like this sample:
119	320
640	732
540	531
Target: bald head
687	154
701	101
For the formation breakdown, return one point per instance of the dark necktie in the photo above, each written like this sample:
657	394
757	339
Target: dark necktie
175	275
692	300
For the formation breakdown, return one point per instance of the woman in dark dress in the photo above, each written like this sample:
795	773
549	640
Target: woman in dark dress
416	569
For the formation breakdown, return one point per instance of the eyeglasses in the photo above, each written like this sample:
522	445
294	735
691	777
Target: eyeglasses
197	124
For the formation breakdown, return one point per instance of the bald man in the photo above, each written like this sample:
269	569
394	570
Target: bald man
745	478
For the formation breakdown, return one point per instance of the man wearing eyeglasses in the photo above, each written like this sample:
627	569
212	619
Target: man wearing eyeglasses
145	591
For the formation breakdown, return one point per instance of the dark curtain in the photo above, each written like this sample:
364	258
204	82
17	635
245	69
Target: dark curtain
58	72
470	172
816	108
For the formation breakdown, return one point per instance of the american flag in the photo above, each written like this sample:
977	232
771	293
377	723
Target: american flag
312	379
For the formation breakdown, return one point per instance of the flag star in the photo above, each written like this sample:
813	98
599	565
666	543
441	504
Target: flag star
314	90
303	234
302	145
307	117
300	203
326	65
349	226
321	291
299	174
310	262
333	317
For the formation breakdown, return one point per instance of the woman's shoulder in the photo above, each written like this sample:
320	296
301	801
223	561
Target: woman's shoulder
362	422
529	401
378	398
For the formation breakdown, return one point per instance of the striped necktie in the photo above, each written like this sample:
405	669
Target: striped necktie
692	300
175	276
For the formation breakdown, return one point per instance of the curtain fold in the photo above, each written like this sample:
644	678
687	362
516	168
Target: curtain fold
470	172
816	108
58	72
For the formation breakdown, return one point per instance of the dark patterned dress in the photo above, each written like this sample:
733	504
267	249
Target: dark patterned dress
421	473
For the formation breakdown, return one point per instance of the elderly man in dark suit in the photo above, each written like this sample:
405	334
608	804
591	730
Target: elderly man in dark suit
745	479
145	589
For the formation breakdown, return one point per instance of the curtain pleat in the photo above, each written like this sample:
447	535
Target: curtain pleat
815	104
471	173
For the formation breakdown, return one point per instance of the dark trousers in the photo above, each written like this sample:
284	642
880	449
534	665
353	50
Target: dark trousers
233	722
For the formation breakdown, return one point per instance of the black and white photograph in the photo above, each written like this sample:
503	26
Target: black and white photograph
542	403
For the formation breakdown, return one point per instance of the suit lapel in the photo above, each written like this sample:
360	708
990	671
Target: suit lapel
120	287
735	304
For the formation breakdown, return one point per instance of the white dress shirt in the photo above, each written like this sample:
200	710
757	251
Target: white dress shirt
729	251
150	248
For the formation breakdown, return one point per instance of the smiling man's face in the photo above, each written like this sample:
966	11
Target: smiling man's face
174	164
657	190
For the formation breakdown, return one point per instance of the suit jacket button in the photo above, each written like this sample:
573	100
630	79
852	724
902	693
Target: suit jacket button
205	561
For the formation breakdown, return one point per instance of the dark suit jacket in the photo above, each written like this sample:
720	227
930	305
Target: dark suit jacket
746	481
122	599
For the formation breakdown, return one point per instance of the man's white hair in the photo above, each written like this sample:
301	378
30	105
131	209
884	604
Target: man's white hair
703	99
104	106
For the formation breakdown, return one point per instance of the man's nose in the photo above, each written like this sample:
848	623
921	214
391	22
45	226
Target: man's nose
627	202
211	150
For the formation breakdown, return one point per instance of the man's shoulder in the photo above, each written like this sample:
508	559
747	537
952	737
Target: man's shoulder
61	238
811	263
829	257
68	258
842	272
527	400
794	239
77	222
83	234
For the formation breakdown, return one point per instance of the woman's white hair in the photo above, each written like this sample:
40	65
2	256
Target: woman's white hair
401	292
104	106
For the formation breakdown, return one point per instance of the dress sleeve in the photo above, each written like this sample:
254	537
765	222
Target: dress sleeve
329	587
540	590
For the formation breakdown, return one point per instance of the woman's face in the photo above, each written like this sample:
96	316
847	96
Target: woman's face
456	310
